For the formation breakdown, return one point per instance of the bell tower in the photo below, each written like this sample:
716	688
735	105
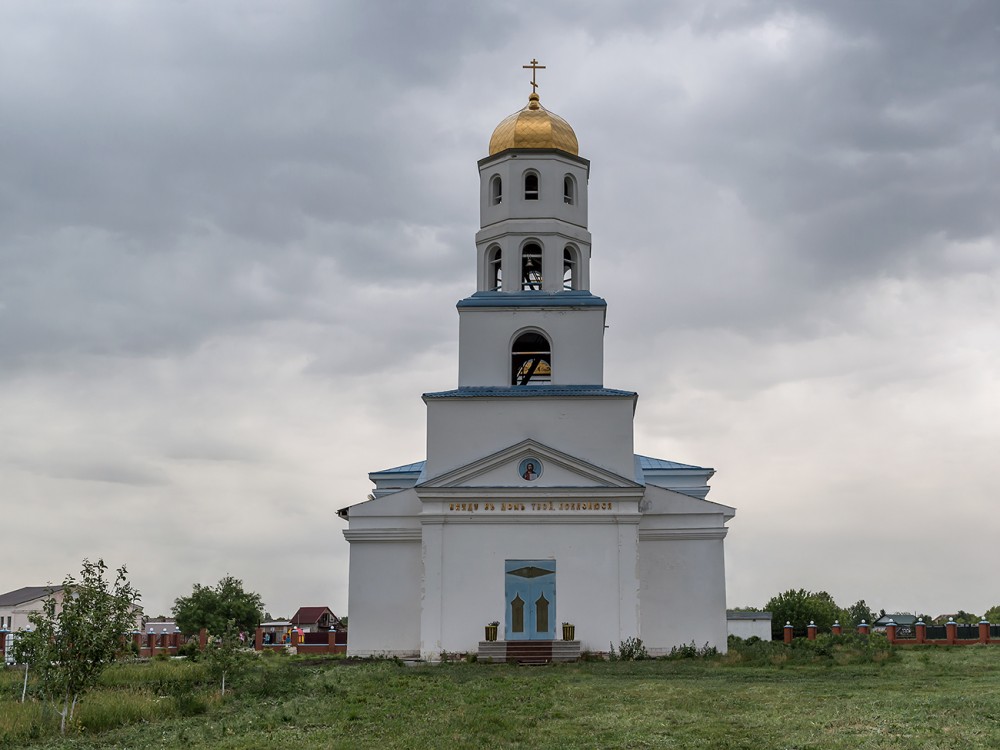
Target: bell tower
531	335
532	320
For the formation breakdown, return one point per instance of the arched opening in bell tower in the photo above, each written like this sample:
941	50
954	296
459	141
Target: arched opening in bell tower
571	268
531	186
531	267
494	269
496	190
569	190
531	359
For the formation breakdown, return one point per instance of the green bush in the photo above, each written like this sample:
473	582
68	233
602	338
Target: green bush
631	649
831	649
691	651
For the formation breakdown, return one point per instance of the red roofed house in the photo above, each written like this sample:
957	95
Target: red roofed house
316	619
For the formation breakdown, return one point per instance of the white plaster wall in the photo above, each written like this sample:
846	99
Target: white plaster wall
485	337
384	598
682	593
553	236
462	430
747	628
551	168
592	560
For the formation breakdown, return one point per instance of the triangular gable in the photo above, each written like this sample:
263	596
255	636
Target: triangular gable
500	469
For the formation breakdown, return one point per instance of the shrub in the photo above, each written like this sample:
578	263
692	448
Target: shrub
691	651
631	649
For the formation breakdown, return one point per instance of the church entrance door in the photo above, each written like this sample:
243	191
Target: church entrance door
530	588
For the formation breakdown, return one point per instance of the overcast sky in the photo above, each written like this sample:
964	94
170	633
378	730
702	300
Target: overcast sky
232	235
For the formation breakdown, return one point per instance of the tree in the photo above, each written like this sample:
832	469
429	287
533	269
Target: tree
799	607
227	654
993	615
966	618
213	608
71	644
853	615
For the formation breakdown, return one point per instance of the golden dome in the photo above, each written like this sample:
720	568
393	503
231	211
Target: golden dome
534	127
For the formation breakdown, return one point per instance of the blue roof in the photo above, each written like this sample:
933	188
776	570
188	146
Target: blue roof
414	468
649	463
533	299
529	391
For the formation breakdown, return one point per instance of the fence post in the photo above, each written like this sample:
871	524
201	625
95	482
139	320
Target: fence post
984	631
203	639
258	639
862	628
951	629
3	646
890	631
836	629
789	631
921	631
811	630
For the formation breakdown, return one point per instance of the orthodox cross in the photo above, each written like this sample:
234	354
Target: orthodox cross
535	67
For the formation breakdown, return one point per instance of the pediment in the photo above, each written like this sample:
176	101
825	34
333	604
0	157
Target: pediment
513	466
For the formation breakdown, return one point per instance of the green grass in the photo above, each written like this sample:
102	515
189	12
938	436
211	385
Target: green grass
829	696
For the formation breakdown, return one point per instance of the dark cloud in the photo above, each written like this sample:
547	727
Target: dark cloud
232	237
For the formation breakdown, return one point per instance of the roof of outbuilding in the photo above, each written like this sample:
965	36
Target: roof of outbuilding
898	619
26	594
310	615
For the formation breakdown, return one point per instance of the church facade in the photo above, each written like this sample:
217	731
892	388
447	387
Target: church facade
532	508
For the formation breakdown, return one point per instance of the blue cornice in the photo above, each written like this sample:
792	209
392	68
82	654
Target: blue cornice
532	299
532	391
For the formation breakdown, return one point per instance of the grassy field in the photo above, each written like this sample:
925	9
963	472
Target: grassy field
773	697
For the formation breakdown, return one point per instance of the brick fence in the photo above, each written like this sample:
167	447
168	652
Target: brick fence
984	635
153	644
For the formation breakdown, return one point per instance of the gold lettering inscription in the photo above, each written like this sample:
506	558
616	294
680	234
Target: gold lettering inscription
537	506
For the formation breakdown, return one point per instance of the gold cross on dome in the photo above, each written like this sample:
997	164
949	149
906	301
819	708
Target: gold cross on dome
535	67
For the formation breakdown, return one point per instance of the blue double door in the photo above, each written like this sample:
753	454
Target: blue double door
530	590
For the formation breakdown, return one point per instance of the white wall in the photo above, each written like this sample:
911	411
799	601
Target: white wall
464	588
550	204
384	598
743	628
596	430
682	593
486	336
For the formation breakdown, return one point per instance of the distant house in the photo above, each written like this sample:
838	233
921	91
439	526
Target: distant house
745	624
316	619
15	606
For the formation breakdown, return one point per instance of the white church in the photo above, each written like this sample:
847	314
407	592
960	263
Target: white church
532	508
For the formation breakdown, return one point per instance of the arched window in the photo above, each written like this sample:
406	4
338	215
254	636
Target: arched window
531	267
494	269
530	360
496	190
569	189
531	186
570	268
